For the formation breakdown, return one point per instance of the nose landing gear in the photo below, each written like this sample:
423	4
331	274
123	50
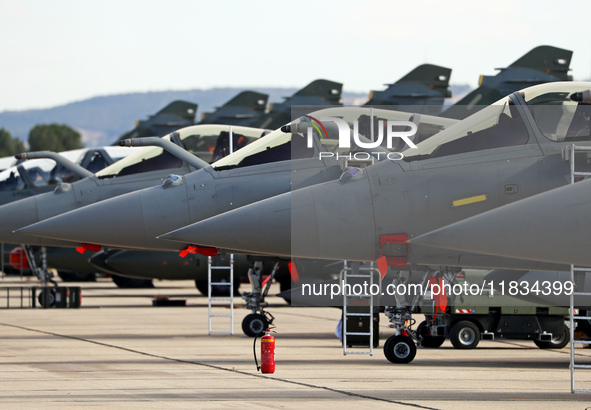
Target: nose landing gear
259	319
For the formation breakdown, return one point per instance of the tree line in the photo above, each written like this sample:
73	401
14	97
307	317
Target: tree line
42	137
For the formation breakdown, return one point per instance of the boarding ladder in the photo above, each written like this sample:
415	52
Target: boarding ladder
219	303
354	273
577	277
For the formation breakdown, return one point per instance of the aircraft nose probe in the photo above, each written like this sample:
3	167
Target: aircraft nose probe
582	96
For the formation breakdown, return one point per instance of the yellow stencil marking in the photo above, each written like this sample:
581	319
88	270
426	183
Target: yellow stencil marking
471	200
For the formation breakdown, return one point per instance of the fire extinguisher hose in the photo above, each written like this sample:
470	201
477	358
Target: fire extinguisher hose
254	350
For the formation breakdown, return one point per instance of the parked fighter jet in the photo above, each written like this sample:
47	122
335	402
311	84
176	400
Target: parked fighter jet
505	153
422	91
318	92
177	114
243	109
542	64
146	167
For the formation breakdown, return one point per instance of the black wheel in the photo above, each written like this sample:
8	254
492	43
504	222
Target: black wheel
124	282
47	297
426	339
76	276
557	342
464	335
254	324
217	290
400	349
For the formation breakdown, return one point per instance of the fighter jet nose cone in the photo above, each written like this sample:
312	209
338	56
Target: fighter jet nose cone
262	227
24	212
100	223
37	229
16	215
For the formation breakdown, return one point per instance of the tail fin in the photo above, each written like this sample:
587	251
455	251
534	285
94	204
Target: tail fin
318	92
242	109
249	99
329	91
177	114
433	76
541	65
551	60
183	109
422	90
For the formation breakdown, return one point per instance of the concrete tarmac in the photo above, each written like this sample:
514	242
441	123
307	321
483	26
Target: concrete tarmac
118	351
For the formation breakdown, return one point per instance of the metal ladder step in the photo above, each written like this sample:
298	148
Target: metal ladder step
211	299
368	273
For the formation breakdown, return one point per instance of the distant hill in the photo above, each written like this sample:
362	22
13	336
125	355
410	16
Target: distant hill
101	120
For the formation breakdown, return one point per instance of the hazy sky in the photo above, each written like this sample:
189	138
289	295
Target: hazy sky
58	51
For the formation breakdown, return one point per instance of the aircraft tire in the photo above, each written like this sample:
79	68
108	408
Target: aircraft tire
50	294
432	341
254	324
428	340
557	342
124	282
400	349
464	335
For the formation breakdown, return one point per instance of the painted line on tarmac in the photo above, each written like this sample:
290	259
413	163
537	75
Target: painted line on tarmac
312	386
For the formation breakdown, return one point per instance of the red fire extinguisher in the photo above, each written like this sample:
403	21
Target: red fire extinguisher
267	352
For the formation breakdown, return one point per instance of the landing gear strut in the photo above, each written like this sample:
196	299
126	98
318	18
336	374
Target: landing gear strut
259	319
47	297
401	348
